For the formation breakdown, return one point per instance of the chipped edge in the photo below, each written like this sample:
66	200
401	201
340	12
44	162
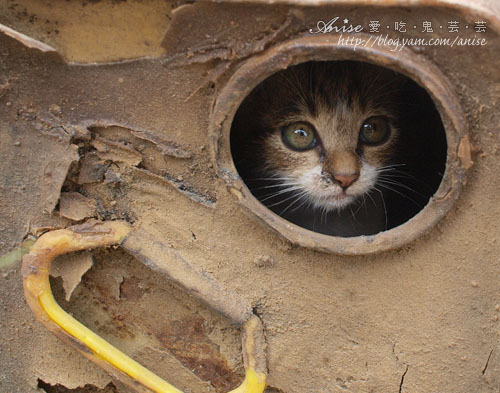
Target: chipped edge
26	40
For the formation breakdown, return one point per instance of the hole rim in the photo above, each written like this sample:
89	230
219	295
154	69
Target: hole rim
326	48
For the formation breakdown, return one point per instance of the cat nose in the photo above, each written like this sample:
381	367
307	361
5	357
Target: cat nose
346	180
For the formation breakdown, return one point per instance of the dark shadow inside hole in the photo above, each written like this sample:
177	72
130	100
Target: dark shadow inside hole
376	156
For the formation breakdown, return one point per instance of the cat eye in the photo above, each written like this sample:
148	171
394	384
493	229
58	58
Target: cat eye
375	130
299	136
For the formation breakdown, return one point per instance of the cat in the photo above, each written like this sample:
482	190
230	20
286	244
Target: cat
322	144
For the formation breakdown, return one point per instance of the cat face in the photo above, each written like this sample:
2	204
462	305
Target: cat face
329	138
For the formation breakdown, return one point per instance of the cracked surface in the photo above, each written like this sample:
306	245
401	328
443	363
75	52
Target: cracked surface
331	321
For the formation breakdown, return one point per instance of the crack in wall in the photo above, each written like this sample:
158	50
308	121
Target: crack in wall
399	361
403	379
487	362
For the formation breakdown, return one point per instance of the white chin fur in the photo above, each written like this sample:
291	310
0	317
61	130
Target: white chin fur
330	196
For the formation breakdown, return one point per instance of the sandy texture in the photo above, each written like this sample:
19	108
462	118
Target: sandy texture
133	138
93	31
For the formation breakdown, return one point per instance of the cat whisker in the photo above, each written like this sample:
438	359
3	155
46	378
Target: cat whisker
371	198
408	176
396	176
393	170
353	218
378	92
390	166
306	200
401	194
383	203
300	88
396	183
272	178
299	197
276	185
287	199
364	203
361	205
323	213
280	192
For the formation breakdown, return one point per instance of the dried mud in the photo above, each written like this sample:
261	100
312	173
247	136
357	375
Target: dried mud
130	141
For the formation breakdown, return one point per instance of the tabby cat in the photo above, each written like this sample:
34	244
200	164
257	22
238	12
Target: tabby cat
334	147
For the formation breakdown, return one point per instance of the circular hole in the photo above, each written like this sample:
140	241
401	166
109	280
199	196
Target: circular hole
435	154
342	148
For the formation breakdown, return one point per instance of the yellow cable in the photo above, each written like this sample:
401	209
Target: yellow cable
37	286
102	348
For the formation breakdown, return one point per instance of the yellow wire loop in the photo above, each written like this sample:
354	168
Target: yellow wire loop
36	267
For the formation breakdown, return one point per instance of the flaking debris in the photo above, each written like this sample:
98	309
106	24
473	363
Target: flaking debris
71	269
75	206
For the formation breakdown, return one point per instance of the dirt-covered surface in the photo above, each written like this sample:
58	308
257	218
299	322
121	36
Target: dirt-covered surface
130	141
